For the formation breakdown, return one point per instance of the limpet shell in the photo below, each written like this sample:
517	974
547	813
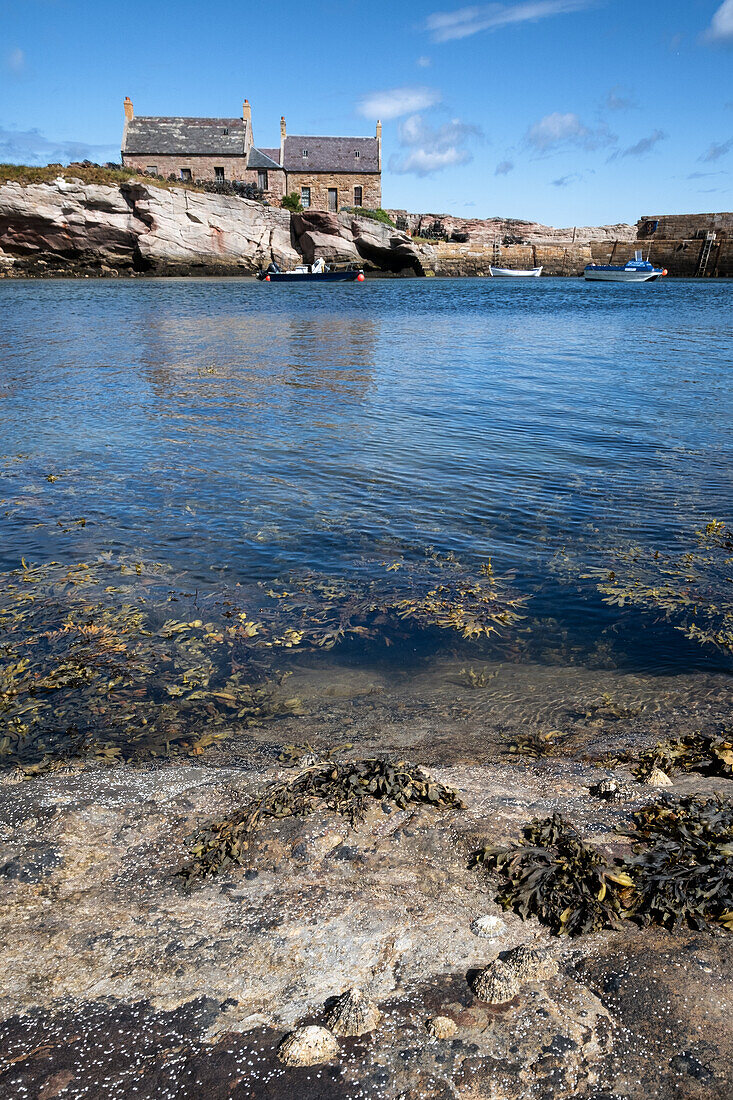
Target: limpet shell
308	1046
496	984
657	778
488	926
531	964
353	1014
441	1027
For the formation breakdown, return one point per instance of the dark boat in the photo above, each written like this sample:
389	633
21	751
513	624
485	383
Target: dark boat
318	272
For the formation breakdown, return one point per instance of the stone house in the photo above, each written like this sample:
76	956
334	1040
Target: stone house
327	173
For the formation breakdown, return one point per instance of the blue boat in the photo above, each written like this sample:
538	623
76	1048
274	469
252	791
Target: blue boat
637	270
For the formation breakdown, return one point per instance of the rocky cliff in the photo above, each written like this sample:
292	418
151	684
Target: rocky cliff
69	227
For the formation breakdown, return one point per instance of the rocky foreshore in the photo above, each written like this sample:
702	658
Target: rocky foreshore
120	981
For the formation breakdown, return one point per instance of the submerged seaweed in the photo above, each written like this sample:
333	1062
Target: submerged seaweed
435	591
683	866
693	589
113	659
553	875
94	663
341	787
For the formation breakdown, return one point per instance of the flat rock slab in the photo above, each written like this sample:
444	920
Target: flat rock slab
118	982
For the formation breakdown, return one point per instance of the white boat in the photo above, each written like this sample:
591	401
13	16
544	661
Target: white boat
515	273
637	270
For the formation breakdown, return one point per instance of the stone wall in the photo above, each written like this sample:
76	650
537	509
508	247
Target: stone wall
471	259
680	227
202	168
320	182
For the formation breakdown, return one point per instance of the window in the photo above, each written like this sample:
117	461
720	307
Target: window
357	154
262	179
333	199
152	169
186	175
358	196
305	152
219	175
226	129
305	197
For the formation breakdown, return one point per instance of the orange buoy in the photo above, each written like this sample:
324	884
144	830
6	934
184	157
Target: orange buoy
267	278
665	272
360	277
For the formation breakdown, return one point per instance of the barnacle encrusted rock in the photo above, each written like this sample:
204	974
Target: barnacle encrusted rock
488	926
657	778
611	790
353	1014
441	1027
496	984
531	964
308	1046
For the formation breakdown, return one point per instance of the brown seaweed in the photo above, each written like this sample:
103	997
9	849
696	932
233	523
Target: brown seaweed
340	787
554	875
683	862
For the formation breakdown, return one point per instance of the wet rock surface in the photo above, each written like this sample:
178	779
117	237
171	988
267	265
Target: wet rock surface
118	982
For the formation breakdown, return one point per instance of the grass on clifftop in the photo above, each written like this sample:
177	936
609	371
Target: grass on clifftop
87	173
375	215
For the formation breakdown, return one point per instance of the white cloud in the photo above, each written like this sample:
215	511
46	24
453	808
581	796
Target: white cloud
16	60
428	149
504	168
717	150
645	144
445	26
721	27
424	62
557	130
397	102
31	147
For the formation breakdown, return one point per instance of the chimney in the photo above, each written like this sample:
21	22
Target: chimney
379	143
283	135
129	113
247	119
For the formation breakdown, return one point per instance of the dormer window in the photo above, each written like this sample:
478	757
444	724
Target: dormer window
305	152
357	154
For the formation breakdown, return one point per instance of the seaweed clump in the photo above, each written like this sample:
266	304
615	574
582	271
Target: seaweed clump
553	875
343	787
708	753
683	867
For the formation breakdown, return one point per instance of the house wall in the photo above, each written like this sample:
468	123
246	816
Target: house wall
320	182
202	168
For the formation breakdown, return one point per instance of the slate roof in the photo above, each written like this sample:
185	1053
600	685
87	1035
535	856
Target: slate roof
258	158
273	154
179	136
331	154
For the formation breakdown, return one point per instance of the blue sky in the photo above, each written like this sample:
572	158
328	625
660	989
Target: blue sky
570	112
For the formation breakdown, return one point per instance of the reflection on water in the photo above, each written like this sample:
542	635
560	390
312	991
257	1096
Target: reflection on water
240	432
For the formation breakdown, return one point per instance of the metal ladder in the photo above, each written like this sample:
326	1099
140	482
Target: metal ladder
496	252
707	248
